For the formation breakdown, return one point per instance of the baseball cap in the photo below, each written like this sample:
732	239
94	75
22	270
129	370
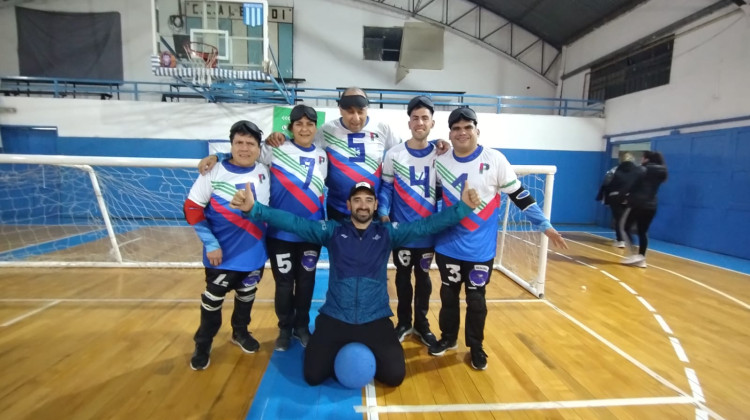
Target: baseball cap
360	186
420	101
463	113
246	127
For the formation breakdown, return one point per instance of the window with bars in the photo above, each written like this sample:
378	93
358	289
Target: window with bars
644	69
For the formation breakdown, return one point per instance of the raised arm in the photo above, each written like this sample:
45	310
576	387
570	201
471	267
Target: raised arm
437	222
315	231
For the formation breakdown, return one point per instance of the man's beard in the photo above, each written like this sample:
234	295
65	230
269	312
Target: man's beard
362	217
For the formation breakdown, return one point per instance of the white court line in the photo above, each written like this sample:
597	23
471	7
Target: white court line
695	385
679	350
609	275
371	401
717	291
628	288
646	304
542	405
673	255
30	313
632	359
115	300
663	323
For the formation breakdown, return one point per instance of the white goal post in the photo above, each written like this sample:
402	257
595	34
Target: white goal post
88	211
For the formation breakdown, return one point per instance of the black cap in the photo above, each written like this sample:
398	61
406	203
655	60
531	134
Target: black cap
246	127
300	111
463	113
420	101
362	186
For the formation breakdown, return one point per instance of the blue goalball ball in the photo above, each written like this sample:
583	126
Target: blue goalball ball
354	365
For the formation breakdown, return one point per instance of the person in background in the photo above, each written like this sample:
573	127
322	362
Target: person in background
407	193
642	203
617	183
465	253
357	307
234	251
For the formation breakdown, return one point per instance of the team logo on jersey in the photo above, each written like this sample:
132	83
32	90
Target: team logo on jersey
479	275
376	237
252	279
309	259
321	159
261	178
426	261
484	167
374	136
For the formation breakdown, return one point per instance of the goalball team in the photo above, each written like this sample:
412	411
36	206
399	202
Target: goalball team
382	198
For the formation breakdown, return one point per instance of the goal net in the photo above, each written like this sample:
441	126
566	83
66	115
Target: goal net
96	211
521	248
127	212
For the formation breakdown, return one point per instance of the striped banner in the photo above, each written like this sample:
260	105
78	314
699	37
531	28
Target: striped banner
252	14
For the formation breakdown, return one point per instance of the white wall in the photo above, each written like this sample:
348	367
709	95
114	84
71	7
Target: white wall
327	49
200	121
710	66
709	81
645	19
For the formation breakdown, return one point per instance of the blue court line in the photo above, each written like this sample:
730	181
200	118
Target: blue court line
51	246
283	393
707	257
61	243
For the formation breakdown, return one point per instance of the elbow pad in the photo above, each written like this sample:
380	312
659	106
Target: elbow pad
522	198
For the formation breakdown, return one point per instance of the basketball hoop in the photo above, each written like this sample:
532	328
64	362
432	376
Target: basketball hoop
202	58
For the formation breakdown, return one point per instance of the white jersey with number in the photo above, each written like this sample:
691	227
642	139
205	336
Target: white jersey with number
353	157
297	182
488	172
411	173
241	240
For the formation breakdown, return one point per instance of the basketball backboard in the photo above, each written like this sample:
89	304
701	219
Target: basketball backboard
238	29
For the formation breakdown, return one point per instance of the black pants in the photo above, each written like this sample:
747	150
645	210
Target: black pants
331	335
419	261
293	266
218	283
475	276
617	212
642	218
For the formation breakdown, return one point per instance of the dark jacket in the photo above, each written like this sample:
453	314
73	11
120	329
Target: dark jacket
358	282
643	192
622	179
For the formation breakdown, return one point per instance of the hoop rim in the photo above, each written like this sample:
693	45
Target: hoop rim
202	52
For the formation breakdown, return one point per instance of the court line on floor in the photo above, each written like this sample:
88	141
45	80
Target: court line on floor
633	360
696	282
517	406
30	313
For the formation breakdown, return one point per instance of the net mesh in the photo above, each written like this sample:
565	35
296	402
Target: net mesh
51	213
87	211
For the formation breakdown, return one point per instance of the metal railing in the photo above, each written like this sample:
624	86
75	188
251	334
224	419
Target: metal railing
267	92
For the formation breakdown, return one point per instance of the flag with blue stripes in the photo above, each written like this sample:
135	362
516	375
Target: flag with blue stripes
252	14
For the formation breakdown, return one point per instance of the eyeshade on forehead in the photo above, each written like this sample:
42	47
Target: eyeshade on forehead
463	113
420	101
353	101
300	111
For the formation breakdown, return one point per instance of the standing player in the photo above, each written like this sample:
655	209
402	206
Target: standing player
298	173
355	145
407	193
465	253
234	252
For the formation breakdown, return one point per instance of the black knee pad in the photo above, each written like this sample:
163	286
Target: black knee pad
475	301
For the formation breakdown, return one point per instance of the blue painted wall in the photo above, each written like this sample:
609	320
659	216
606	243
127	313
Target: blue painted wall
705	203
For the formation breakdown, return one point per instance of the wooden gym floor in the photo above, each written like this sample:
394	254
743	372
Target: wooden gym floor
671	341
